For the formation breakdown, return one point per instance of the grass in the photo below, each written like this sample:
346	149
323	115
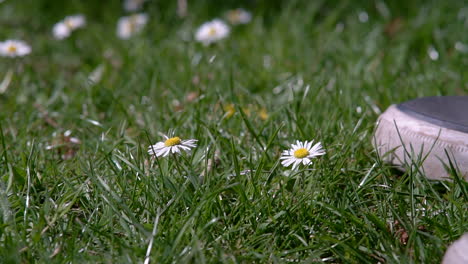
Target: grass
313	66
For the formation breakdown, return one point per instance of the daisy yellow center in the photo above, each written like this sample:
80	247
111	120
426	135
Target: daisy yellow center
69	24
301	153
230	110
172	141
212	31
132	23
263	114
12	49
235	15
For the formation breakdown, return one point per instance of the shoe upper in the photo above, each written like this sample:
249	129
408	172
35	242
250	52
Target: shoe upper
446	111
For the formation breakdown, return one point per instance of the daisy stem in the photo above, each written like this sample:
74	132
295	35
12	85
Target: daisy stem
177	164
299	176
155	156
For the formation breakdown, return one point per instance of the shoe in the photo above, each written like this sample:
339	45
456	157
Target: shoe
457	253
423	131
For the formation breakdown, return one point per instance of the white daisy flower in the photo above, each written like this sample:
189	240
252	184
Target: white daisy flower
129	25
171	145
133	5
14	48
238	16
212	31
301	152
64	28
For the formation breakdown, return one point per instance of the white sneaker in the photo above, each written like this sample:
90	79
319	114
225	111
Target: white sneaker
457	253
424	131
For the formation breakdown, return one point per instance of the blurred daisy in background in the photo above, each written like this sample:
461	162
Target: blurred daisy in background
14	48
129	25
229	110
238	16
133	5
171	145
64	28
263	113
301	152
212	31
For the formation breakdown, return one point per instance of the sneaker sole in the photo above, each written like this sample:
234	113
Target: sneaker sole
404	140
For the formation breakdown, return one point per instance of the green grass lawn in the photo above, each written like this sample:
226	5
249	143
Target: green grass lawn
300	70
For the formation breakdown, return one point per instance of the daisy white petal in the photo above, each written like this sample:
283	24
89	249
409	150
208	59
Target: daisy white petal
159	145
296	163
308	145
167	151
155	147
189	143
75	21
155	152
287	162
317	150
61	31
184	147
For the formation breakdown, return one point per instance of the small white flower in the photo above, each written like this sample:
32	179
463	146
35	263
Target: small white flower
64	28
433	53
61	31
212	31
14	48
75	21
133	5
301	152
171	145
129	25
238	16
363	17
